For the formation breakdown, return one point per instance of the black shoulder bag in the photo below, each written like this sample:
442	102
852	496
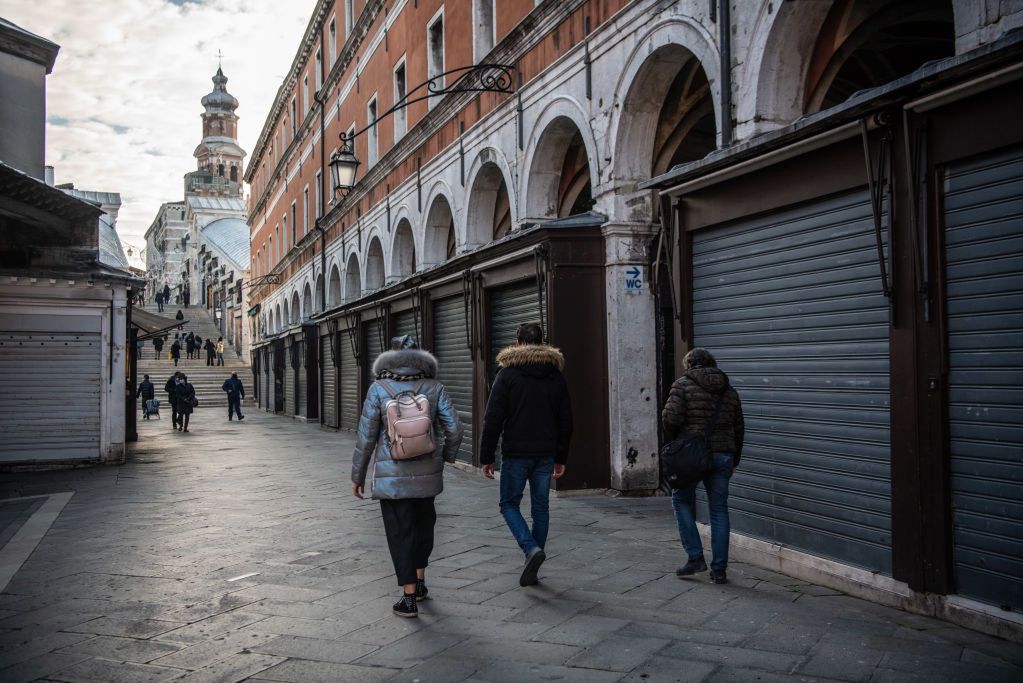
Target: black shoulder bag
689	457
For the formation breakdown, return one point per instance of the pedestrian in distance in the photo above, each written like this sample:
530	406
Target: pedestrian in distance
180	315
166	293
211	352
159	302
187	401
158	346
220	351
701	401
139	343
171	388
186	295
175	352
190	344
146	392
403	417
530	410
235	393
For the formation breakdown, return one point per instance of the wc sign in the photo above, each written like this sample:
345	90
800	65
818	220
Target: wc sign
633	283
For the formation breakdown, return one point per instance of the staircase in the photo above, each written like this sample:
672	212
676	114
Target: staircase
207	380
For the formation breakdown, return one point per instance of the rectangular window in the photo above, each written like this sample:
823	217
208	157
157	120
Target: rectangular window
305	94
294	116
294	223
482	29
319	70
305	211
349	16
319	194
372	139
400	116
332	42
435	53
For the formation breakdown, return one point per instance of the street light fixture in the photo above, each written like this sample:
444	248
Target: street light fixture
343	165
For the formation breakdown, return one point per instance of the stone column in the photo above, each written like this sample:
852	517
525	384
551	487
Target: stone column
631	356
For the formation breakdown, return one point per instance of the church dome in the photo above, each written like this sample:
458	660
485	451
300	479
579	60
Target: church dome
220	99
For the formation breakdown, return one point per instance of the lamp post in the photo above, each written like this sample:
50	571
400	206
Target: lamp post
343	166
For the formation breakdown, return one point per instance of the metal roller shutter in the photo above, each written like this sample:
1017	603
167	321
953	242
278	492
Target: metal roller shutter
405	324
50	403
373	344
791	306
455	362
351	403
509	307
329	384
269	357
289	382
300	383
983	204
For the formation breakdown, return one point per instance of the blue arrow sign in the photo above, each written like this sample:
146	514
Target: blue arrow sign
633	272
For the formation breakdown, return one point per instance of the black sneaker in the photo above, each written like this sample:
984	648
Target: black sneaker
692	567
241	417
718	576
422	592
406	606
534	559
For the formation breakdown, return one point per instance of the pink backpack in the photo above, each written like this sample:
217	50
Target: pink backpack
409	424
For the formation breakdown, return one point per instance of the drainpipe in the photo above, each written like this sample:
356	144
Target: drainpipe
725	39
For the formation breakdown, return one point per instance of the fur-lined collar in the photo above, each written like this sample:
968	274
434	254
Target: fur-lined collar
406	362
531	354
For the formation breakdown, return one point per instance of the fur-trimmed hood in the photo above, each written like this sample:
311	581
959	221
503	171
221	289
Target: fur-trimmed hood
531	354
406	362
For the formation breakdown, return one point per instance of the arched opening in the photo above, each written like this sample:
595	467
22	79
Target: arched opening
286	320
296	310
277	319
234	174
439	242
353	279
220	170
862	45
320	303
307	301
668	116
403	251
559	179
334	295
374	266
489	213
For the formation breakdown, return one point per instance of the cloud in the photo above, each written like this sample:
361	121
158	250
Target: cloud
123	99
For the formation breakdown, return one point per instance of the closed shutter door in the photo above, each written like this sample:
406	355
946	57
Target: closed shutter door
455	361
509	308
351	401
405	324
269	406
329	386
50	403
790	304
289	382
984	283
300	383
373	342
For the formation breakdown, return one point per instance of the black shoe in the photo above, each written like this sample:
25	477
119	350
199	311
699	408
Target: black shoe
422	592
241	417
406	606
534	559
691	567
718	576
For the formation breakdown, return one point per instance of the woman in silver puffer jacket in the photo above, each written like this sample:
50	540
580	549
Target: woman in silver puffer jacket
406	488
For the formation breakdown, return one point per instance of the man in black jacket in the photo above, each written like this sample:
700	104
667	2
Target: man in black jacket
171	387
530	411
146	392
235	394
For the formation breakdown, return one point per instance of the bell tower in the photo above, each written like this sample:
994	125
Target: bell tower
218	157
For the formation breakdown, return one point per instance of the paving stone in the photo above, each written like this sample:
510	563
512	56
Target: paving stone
307	671
341	652
129	628
668	670
309	628
446	667
412	650
234	668
123	649
912	663
97	670
515	672
582	630
205	653
42	666
22	647
211	626
844	662
731	656
518	651
618	653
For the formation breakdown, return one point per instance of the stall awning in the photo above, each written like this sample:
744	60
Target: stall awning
151	324
255	309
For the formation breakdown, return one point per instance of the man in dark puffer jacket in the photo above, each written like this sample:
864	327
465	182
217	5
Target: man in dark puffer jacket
689	409
530	409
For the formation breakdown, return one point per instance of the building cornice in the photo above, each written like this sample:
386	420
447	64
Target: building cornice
17	41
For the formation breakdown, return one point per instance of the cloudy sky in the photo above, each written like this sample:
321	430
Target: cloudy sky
123	99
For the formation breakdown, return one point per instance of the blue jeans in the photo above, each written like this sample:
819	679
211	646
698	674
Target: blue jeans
683	500
515	473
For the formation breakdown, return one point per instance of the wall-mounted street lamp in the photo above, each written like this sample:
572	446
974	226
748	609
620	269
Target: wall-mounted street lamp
476	78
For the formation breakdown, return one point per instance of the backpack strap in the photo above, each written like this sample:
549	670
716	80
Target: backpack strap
388	388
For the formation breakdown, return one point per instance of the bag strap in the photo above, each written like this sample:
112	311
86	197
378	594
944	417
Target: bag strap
709	431
388	388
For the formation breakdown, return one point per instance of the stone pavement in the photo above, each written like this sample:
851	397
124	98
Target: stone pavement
236	552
